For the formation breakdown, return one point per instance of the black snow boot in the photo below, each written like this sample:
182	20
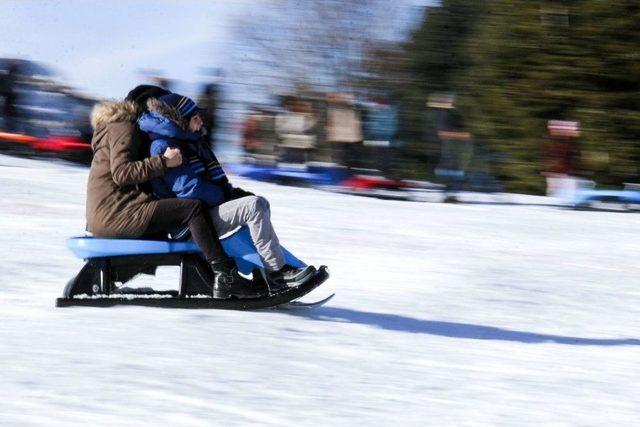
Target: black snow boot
289	277
229	283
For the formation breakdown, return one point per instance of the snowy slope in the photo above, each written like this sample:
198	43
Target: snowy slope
471	314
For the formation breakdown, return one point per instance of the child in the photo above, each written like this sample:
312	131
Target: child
174	121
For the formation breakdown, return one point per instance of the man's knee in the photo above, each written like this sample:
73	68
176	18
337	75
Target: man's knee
194	208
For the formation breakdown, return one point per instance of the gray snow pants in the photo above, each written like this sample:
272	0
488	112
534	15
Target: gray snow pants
253	211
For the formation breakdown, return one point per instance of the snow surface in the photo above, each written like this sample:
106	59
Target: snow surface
485	313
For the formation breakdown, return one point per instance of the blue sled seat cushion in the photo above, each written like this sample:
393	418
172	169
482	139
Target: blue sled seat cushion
238	245
90	247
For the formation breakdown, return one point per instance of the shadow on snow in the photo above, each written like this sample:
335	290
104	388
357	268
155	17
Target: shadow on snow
395	322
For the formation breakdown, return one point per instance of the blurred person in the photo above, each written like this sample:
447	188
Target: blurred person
258	136
209	100
379	129
119	199
173	121
563	157
266	135
250	139
162	82
156	78
295	127
456	145
9	95
344	128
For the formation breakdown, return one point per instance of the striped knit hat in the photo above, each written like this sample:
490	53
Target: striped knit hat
185	106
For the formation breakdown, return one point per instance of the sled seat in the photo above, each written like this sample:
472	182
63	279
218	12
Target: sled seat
238	245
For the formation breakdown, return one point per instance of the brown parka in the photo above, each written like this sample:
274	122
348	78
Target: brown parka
117	203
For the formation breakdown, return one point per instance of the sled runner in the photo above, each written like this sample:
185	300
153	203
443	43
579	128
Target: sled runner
113	261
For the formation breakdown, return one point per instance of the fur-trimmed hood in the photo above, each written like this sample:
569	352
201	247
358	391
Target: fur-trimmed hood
112	112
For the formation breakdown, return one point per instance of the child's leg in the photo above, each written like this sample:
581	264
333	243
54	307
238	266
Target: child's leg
253	211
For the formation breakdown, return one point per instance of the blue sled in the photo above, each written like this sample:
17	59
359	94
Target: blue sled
582	198
238	245
304	175
111	263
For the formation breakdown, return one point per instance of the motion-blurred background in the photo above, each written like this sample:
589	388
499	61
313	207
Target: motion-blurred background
500	310
363	96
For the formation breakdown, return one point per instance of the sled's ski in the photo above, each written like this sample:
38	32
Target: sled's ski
168	301
296	304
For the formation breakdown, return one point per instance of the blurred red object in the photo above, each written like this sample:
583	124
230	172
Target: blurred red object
363	182
18	138
61	143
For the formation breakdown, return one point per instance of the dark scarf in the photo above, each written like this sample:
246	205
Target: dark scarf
204	162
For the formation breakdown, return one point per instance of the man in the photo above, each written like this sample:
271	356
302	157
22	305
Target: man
456	144
344	128
563	159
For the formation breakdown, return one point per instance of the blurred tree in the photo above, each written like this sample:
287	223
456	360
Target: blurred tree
522	73
608	40
535	61
430	61
308	45
513	65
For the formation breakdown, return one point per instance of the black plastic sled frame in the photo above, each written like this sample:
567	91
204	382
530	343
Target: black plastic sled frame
95	285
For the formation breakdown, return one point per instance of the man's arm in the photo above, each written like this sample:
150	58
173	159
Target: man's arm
126	169
184	183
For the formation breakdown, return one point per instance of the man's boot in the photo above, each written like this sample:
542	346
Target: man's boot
229	283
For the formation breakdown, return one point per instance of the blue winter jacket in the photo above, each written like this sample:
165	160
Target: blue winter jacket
191	180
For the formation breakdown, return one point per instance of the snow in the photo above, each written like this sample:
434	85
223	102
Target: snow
484	313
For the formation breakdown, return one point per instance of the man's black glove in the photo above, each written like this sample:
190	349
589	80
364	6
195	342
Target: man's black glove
237	192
